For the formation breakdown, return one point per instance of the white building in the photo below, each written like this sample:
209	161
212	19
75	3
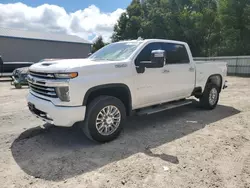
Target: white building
28	46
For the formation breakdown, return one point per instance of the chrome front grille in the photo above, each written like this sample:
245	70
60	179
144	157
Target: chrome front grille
42	75
38	85
43	90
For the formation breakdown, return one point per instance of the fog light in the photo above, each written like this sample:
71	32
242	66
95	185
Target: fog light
63	93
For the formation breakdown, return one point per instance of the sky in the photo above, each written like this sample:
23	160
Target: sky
85	18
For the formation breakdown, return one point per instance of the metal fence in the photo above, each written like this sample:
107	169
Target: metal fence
237	65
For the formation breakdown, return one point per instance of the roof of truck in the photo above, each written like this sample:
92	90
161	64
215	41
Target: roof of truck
155	40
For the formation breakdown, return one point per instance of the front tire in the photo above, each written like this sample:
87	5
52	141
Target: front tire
18	86
104	119
210	97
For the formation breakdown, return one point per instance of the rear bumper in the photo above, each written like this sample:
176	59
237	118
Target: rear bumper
59	116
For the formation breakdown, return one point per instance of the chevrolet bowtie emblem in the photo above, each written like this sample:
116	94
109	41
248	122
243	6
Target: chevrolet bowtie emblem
32	80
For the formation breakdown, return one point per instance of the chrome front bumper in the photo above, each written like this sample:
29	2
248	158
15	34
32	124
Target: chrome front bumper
57	115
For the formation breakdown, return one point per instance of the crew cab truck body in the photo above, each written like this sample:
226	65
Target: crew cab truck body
122	79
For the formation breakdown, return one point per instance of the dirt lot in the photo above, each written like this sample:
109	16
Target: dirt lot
184	147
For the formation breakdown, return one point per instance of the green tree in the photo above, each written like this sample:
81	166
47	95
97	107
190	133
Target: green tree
234	16
129	24
98	44
192	21
210	27
120	28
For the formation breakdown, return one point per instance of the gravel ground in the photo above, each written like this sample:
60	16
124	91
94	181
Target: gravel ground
183	147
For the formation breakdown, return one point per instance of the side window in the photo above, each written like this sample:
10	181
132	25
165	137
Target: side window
176	53
145	54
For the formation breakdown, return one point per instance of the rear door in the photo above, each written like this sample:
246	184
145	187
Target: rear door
179	71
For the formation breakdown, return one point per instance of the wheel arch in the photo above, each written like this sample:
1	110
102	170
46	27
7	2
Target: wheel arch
216	79
118	90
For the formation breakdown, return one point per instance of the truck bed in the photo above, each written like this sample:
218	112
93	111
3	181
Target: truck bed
205	69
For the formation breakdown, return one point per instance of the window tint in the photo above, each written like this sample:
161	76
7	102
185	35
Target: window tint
145	54
176	53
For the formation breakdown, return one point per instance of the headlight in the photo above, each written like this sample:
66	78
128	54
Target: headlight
66	75
63	93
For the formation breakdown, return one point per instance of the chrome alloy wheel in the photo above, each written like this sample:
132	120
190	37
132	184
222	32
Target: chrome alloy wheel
213	96
108	120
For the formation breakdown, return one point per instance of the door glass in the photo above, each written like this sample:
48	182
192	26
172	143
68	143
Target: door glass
176	53
145	54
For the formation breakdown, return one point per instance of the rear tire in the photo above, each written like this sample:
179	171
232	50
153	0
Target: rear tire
210	97
104	119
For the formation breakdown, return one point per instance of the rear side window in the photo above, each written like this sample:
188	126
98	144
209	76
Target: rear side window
145	54
176	53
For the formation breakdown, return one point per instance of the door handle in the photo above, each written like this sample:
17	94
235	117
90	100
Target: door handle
191	69
165	71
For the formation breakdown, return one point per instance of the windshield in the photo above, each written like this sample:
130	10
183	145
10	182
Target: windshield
116	51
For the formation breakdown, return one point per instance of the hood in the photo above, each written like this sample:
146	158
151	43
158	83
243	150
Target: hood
64	65
23	70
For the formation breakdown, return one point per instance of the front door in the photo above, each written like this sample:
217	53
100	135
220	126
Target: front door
172	82
150	83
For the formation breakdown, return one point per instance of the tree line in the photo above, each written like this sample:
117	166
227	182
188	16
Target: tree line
210	27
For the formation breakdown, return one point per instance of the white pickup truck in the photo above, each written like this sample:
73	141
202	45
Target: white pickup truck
126	78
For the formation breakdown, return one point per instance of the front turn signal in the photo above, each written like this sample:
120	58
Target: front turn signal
70	75
73	75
